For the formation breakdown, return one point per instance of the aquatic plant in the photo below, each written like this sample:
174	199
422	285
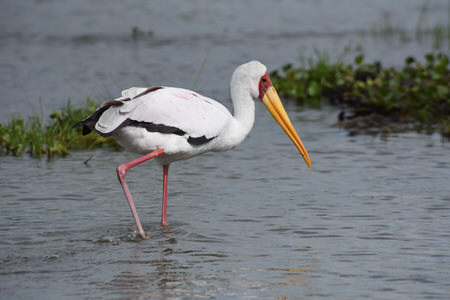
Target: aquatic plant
437	34
370	96
56	137
136	32
417	95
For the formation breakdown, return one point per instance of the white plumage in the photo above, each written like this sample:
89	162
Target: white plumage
173	123
181	108
196	115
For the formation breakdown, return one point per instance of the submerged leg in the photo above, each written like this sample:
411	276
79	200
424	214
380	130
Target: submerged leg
164	201
121	173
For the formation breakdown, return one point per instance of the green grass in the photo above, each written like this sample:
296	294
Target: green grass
54	138
418	93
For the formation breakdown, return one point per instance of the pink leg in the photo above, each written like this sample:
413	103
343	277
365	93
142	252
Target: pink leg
121	173
164	201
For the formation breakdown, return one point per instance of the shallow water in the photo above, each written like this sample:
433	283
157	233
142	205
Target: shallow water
369	219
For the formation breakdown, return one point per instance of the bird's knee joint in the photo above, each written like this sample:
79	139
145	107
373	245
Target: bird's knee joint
121	171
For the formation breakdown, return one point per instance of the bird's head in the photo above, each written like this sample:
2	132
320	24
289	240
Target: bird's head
256	77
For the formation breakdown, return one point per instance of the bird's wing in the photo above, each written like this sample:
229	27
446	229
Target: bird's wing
175	108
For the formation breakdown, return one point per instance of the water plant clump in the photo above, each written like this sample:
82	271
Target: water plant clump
372	99
388	99
438	35
136	33
54	138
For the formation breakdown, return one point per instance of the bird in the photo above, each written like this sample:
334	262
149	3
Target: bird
171	124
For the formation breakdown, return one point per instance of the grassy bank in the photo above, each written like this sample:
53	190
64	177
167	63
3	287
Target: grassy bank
371	96
53	137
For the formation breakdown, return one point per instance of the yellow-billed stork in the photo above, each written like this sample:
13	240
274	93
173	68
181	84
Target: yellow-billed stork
171	124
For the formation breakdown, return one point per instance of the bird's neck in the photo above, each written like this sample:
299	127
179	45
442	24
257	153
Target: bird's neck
244	110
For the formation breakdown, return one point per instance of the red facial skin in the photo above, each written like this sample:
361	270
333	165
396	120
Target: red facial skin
264	85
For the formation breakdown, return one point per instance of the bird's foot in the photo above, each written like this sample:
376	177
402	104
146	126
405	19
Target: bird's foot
164	220
144	236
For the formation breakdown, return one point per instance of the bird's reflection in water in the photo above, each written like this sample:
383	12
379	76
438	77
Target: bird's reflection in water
179	262
150	270
159	268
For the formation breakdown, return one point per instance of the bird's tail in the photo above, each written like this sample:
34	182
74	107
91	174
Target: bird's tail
89	123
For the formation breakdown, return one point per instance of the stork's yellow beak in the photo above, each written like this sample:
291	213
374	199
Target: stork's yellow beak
271	100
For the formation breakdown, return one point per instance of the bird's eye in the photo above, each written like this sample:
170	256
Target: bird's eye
264	80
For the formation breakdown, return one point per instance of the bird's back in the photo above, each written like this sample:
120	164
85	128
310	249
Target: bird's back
165	110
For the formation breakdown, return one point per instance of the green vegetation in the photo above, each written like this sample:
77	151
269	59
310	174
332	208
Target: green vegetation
438	34
57	137
136	33
417	95
387	99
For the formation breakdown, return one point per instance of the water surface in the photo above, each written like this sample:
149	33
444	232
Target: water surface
370	219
